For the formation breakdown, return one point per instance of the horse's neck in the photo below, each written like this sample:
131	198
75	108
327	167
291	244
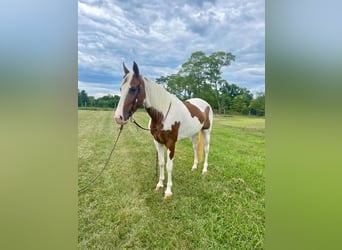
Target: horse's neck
157	97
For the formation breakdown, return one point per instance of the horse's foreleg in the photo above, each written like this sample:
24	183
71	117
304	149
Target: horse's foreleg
169	165
160	150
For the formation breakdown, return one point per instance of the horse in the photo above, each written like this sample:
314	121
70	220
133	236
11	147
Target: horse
170	120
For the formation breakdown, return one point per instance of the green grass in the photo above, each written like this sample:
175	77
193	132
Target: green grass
223	209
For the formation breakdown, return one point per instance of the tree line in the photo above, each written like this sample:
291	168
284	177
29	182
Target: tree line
107	101
199	77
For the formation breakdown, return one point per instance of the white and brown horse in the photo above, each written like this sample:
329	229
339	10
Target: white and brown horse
171	119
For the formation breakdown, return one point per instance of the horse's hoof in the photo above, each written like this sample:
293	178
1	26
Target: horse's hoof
158	188
193	169
167	196
204	172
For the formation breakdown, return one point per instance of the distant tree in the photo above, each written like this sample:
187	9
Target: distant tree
239	105
206	72
225	103
107	101
193	69
116	100
175	84
257	105
216	61
91	101
235	98
231	90
246	97
82	99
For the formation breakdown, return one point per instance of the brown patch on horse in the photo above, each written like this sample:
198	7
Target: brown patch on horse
203	117
156	119
166	137
206	123
135	98
138	83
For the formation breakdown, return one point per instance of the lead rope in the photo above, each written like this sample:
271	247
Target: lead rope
105	165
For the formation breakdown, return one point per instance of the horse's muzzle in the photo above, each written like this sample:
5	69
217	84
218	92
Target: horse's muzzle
120	118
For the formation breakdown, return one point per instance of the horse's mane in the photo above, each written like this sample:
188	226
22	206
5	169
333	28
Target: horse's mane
157	96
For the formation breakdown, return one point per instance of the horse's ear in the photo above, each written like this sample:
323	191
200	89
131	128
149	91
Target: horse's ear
135	69
125	69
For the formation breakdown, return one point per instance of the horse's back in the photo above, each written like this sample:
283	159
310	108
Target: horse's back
201	105
206	110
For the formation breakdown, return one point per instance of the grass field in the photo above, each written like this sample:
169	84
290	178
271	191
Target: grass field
224	209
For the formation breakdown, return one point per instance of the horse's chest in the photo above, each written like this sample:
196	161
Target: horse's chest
167	137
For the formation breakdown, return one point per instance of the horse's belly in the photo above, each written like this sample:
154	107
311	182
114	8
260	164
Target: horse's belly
189	129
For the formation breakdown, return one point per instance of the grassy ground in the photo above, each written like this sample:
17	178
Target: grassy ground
223	209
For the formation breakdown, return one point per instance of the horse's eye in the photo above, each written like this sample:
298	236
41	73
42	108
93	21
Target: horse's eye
132	90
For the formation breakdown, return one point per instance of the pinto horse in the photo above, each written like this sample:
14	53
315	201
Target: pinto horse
171	119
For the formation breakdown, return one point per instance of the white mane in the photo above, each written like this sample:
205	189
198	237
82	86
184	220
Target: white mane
157	96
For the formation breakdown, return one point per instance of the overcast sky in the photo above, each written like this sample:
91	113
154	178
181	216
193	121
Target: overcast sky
161	35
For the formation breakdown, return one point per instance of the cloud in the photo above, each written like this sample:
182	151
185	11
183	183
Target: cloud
161	35
96	89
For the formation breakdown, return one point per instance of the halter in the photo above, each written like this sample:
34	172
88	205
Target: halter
136	90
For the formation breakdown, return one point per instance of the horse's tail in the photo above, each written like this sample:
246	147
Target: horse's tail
200	147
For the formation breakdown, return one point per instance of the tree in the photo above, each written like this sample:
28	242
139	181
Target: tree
231	90
235	98
238	105
216	61
175	84
206	73
193	72
257	105
82	99
116	100
200	76
107	101
91	101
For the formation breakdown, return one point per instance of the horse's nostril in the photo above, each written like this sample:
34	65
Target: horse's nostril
126	115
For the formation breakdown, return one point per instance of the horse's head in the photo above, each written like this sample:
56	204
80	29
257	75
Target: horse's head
132	95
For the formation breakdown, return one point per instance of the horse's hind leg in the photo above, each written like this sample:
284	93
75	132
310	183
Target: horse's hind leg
160	150
194	146
206	136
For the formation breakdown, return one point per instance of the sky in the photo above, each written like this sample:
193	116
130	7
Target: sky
161	35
